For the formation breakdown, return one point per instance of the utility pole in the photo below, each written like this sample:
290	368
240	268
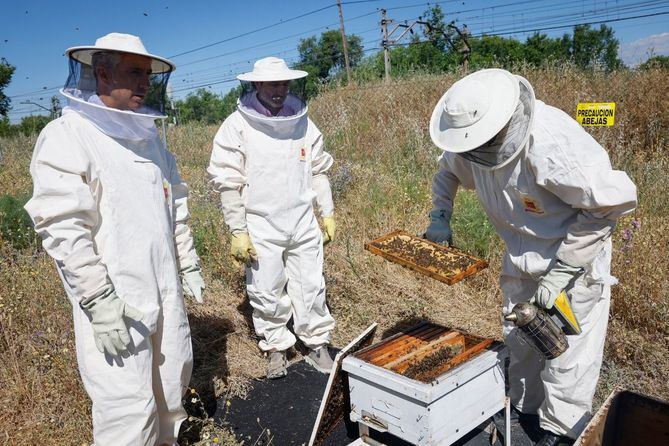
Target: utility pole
52	111
344	43
55	107
385	44
466	50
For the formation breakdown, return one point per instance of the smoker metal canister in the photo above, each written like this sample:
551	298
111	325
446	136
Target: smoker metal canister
539	329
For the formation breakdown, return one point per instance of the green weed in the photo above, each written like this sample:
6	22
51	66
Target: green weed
16	226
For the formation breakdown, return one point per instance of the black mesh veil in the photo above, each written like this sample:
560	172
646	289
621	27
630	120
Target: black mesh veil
296	92
81	85
511	139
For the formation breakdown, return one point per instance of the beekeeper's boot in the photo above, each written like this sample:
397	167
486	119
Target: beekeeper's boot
320	359
551	439
277	365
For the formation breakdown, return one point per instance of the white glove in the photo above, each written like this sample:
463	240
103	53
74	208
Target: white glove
193	283
552	284
106	312
234	212
321	186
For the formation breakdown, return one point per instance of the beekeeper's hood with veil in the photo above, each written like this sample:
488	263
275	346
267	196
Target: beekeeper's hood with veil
81	88
272	70
485	117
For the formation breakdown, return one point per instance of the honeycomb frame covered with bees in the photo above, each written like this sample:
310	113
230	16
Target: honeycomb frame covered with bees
444	263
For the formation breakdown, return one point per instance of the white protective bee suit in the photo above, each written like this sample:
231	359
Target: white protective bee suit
555	196
278	165
111	209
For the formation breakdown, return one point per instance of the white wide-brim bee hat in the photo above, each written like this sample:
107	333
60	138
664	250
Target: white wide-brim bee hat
474	110
122	43
271	69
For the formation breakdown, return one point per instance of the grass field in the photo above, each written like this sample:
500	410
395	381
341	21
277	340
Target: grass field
381	182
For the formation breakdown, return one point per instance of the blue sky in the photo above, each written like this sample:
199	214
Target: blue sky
34	34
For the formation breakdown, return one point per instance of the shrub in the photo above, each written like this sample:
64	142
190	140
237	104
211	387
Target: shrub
472	230
16	228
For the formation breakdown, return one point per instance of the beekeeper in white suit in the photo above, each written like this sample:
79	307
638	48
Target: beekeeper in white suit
111	209
269	165
549	189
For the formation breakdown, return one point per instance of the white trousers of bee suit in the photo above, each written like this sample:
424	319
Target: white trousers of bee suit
287	281
560	390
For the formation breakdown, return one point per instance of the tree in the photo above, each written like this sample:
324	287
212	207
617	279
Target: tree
6	72
418	56
435	49
323	57
156	96
6	130
539	49
590	47
33	124
203	105
436	31
230	101
655	62
55	107
490	51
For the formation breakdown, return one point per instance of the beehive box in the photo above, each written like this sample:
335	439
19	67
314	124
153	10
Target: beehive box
430	385
444	263
628	418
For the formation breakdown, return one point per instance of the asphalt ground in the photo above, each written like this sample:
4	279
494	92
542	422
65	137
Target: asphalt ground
282	412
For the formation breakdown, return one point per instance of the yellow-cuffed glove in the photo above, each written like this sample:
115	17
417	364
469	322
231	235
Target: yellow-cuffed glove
329	227
242	249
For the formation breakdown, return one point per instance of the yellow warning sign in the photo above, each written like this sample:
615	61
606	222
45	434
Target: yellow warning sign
596	114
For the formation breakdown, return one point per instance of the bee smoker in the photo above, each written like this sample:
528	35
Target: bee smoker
539	329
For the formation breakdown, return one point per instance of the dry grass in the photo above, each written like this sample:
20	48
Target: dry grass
384	163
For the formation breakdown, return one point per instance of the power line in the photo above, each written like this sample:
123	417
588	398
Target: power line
545	28
592	14
253	31
562	6
227	79
359	1
250	47
424	4
36	92
263	28
575	24
25	113
532	24
219	80
316	29
459	12
280	39
207	84
185	76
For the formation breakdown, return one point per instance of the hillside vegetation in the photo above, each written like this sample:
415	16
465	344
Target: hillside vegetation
378	136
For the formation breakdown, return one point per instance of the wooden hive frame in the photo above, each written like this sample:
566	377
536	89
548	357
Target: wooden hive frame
449	277
404	350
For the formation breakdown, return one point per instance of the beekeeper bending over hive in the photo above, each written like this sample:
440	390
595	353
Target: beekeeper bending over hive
548	188
269	165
